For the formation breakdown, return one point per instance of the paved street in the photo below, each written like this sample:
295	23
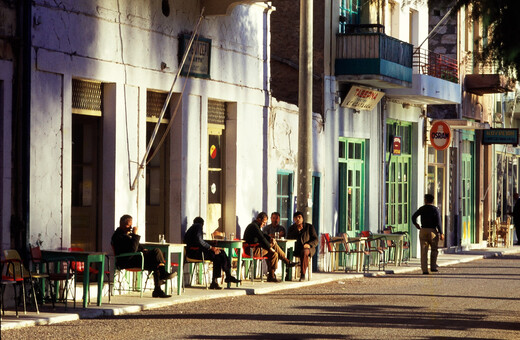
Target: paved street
479	299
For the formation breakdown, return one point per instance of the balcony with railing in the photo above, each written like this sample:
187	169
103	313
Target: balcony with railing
366	55
435	80
484	78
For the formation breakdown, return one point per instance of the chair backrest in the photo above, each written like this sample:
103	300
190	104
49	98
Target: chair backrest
389	243
77	266
19	270
326	236
345	242
366	233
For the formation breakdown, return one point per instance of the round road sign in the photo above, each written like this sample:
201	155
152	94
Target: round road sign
440	135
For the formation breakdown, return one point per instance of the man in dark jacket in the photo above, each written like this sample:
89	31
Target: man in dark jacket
267	246
196	246
516	216
430	231
306	241
126	240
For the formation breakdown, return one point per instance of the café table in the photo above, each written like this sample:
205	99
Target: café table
288	248
229	247
398	239
168	249
81	256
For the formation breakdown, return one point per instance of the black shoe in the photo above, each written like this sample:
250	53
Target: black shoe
232	279
214	285
158	293
291	264
434	270
272	278
302	277
425	273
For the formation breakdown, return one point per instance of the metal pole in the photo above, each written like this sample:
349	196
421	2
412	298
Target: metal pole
304	187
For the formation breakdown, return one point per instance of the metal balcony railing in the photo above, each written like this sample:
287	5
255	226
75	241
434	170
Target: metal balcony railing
436	65
370	41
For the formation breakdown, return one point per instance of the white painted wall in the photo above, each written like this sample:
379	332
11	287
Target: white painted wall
122	44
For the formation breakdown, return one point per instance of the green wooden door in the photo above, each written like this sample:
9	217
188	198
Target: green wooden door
352	186
397	189
467	193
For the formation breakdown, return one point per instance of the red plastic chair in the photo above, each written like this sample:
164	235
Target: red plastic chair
248	255
79	269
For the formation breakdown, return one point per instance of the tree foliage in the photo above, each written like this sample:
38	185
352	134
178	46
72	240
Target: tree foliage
503	26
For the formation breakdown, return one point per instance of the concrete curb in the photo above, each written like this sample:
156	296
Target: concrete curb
135	304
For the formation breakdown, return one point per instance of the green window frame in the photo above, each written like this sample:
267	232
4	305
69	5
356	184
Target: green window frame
348	13
398	181
284	194
351	159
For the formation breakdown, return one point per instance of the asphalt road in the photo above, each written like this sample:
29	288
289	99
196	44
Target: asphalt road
479	300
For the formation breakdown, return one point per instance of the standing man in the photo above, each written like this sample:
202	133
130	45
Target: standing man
306	241
268	247
275	226
516	216
126	240
196	246
430	231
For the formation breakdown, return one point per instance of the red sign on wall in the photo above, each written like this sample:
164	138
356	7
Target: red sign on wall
396	146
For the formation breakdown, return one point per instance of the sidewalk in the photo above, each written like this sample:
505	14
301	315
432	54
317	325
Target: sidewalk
131	303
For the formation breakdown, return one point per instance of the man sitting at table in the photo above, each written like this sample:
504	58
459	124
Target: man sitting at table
126	240
306	241
268	247
196	246
275	226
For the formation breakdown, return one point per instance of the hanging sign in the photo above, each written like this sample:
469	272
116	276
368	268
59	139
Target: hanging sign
500	136
396	146
201	61
440	135
362	98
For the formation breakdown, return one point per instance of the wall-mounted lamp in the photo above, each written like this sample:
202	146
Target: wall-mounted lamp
163	66
405	105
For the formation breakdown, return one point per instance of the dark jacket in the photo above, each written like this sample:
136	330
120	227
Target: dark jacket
253	234
126	243
305	236
194	237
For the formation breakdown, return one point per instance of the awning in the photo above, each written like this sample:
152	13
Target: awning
464	124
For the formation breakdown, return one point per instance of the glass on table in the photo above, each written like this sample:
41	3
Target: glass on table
161	238
277	235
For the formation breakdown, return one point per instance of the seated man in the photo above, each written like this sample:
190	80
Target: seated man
193	239
275	226
126	240
306	241
268	247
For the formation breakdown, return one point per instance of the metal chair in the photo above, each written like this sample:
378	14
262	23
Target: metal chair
249	257
195	265
19	271
6	270
62	273
120	272
374	245
79	269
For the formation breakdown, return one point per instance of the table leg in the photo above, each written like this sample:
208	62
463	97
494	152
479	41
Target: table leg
229	253
180	271
239	265
101	277
168	264
86	283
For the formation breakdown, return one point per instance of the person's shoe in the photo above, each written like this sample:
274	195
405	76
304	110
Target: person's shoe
232	279
434	270
272	278
291	264
302	277
214	285
425	273
158	293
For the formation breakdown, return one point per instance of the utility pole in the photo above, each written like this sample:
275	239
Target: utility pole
304	186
